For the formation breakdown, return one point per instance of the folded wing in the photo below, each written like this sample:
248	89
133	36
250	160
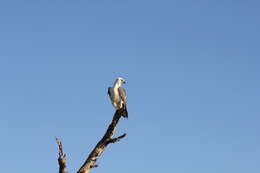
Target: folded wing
122	94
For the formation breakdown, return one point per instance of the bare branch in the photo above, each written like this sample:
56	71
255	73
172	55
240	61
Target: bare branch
102	144
114	140
62	158
94	166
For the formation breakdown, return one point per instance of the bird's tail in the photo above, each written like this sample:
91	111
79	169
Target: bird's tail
125	113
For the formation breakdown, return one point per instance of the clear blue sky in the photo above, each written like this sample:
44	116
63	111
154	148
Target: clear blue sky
192	69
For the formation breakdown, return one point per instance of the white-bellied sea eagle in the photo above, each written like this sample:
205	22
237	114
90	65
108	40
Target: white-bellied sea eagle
117	96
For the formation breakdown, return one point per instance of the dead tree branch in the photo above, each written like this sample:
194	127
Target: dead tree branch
97	151
102	144
62	158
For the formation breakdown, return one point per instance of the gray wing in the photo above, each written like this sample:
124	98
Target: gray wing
109	93
122	94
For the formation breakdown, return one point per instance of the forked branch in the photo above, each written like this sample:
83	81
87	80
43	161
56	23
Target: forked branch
102	144
97	151
62	158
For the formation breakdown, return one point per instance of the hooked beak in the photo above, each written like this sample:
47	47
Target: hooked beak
124	82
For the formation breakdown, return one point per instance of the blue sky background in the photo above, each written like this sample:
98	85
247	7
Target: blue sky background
192	69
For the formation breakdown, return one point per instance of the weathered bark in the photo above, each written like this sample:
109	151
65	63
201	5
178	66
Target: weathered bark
102	144
62	158
97	151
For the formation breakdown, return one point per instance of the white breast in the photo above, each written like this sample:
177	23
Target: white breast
115	98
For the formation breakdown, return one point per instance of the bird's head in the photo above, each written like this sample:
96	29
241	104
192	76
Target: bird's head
120	81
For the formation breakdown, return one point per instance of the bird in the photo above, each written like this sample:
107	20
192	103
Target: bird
117	96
